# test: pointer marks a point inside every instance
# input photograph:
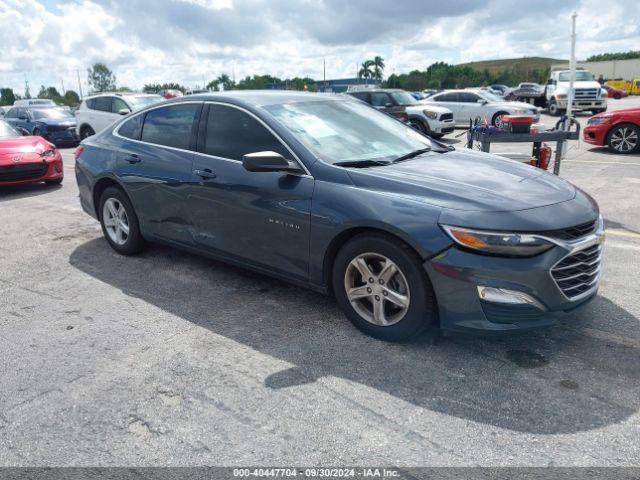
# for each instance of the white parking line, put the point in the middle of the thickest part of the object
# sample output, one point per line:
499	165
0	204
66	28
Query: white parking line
601	163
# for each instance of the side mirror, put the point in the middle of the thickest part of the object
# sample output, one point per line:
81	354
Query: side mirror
23	117
388	105
124	111
23	131
481	101
267	161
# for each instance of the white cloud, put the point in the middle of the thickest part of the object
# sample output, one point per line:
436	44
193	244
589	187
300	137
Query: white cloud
193	41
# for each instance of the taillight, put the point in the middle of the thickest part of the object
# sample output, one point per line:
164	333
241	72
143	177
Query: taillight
78	152
403	117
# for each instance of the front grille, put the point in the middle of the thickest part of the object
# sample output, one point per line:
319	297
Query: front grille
586	93
571	233
498	313
27	171
59	128
446	116
578	272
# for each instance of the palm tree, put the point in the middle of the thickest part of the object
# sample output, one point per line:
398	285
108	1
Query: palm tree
378	67
365	69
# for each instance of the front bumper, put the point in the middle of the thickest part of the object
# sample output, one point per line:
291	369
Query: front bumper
595	134
66	137
599	104
17	175
456	275
441	126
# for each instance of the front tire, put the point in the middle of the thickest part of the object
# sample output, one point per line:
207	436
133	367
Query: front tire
419	126
119	222
617	96
381	287
554	110
624	138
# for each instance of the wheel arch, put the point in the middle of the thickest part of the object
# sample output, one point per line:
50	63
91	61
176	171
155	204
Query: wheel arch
346	235
100	186
420	119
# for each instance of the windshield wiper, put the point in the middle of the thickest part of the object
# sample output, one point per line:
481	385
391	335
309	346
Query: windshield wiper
413	154
361	163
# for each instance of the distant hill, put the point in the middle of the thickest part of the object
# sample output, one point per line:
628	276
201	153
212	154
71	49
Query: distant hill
519	64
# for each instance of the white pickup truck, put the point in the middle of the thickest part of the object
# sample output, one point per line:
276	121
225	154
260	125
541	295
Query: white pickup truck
588	93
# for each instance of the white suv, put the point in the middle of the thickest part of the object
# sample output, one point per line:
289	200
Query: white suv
97	112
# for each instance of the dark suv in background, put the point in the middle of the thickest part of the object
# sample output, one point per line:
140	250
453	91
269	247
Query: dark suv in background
389	100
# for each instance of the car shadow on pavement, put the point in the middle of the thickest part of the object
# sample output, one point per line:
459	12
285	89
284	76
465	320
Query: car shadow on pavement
582	375
15	192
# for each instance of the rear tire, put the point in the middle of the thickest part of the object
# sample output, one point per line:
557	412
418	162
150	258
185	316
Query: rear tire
396	302
624	139
119	222
617	96
86	132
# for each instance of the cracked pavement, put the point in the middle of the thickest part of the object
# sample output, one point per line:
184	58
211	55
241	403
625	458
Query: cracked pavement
171	359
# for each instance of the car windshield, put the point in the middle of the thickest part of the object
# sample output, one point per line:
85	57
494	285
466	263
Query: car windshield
348	131
7	131
53	113
491	97
403	98
144	100
581	76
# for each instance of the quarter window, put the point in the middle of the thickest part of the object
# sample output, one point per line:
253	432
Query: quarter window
170	126
467	97
232	133
131	128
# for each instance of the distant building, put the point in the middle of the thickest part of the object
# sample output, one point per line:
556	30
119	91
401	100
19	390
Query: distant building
609	69
333	86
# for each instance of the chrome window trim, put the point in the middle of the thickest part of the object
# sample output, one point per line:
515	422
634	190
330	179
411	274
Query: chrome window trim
116	129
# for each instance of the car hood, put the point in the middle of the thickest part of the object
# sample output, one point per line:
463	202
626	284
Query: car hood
467	180
526	106
427	106
22	149
59	122
622	111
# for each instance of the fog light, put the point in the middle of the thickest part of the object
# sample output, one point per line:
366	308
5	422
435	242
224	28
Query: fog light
510	297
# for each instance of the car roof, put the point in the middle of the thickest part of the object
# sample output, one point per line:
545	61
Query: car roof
120	94
260	97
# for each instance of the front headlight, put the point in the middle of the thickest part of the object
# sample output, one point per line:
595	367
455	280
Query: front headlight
597	120
603	93
430	114
48	154
498	243
561	96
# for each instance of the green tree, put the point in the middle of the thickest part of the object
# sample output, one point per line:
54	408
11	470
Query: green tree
71	98
631	54
223	81
7	96
378	67
366	69
101	78
49	92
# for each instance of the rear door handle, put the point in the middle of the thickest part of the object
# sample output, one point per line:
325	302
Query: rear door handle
206	173
133	158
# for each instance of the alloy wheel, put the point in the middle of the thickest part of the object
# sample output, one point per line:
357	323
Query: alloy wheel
116	222
377	289
624	139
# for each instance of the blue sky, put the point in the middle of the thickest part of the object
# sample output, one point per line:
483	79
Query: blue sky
194	41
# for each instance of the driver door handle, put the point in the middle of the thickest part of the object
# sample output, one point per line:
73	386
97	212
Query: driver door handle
133	158
206	173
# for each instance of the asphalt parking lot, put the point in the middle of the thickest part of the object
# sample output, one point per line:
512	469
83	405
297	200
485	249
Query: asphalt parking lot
171	359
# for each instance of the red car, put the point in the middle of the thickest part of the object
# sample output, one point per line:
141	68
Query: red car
618	129
27	159
616	93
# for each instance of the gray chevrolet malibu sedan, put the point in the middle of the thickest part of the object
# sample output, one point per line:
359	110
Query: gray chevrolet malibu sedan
326	192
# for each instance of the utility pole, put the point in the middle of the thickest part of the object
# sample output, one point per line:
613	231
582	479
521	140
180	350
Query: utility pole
324	74
62	85
570	96
79	84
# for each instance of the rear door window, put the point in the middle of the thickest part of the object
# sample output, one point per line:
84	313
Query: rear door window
131	128
379	99
102	103
170	126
